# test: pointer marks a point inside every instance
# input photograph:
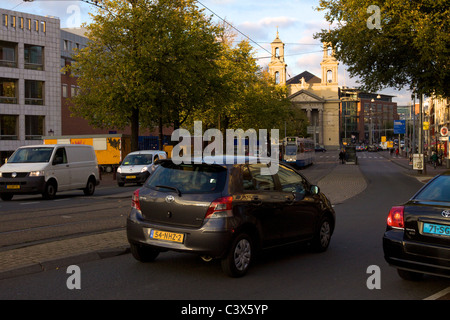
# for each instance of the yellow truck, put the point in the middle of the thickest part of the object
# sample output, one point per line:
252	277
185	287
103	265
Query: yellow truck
110	149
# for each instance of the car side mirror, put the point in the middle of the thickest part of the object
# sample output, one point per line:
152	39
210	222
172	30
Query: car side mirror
314	189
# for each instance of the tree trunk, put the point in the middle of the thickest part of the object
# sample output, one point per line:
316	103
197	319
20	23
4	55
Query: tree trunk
134	130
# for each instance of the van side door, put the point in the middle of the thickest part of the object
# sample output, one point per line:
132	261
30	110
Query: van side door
60	169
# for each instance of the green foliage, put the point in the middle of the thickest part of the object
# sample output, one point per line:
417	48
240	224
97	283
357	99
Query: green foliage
412	48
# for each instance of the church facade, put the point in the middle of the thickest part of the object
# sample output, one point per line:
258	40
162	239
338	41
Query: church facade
317	97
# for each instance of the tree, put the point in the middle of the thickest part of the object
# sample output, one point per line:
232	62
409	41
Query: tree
404	44
146	63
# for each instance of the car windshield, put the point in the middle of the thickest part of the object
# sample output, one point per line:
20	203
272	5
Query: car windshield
437	190
188	178
29	155
137	159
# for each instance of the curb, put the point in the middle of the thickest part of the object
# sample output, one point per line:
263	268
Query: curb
61	262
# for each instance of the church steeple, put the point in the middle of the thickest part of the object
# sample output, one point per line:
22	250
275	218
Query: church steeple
329	66
277	65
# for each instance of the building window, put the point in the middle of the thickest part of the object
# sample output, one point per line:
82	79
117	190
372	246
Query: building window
8	127
43	26
8	90
34	57
21	23
8	56
34	127
73	91
29	24
64	90
13	21
5	20
34	92
36	25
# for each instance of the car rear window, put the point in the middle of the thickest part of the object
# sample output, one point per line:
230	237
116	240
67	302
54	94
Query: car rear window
188	178
437	190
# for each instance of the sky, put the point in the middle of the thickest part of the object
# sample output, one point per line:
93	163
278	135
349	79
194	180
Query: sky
258	20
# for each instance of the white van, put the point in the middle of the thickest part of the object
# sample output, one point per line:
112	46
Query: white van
137	166
46	169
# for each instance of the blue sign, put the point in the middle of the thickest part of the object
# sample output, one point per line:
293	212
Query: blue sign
399	126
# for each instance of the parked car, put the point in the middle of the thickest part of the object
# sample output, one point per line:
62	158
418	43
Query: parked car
360	148
137	166
320	148
227	212
372	148
417	237
46	169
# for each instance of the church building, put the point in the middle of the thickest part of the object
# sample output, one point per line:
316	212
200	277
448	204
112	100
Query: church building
317	97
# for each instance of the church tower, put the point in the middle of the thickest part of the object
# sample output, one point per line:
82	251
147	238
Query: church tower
329	66
277	65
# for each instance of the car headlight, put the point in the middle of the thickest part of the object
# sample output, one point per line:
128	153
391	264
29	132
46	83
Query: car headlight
119	170
0	174
39	173
144	169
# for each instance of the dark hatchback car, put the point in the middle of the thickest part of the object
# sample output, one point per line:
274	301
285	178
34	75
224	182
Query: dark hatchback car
417	238
228	211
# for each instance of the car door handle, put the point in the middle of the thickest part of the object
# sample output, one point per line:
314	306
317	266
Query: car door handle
256	201
289	199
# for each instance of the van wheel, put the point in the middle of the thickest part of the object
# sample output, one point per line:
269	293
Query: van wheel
90	187
6	196
238	259
49	190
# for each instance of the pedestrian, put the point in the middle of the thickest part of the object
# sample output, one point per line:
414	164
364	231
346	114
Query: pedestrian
391	151
396	152
434	159
342	156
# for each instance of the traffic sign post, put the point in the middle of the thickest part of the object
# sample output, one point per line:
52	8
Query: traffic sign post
444	134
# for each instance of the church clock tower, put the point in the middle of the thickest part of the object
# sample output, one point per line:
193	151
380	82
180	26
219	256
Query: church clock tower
277	65
329	66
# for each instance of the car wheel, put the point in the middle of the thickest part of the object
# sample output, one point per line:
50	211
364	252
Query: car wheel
322	237
143	253
6	196
90	187
49	190
409	275
238	259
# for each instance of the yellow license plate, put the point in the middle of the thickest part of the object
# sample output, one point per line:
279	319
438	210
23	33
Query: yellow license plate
12	186
168	236
131	177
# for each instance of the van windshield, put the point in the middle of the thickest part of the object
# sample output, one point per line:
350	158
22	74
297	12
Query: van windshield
137	159
29	155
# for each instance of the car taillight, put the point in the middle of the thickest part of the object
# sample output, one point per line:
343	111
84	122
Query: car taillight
395	217
219	208
135	201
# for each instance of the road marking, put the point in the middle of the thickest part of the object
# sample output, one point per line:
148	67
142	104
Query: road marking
27	203
438	295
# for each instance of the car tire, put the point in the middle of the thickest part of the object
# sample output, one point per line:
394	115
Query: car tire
322	237
143	253
90	187
49	190
6	196
239	257
409	275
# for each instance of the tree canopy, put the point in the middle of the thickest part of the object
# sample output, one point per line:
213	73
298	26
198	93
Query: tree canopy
404	44
150	63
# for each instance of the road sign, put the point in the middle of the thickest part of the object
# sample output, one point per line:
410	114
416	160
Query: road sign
399	126
444	131
426	125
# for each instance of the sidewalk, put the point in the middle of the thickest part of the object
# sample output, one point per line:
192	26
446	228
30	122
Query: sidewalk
427	174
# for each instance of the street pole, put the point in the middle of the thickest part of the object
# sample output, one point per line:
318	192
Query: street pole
421	150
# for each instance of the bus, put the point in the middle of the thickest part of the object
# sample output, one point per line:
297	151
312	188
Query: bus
298	151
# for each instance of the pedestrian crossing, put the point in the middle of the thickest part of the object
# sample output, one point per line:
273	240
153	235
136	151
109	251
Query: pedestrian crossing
362	155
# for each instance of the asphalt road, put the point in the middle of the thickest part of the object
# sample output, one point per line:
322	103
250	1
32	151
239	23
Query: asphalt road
291	273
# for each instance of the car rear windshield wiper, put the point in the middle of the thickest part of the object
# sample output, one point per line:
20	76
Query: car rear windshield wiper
172	188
